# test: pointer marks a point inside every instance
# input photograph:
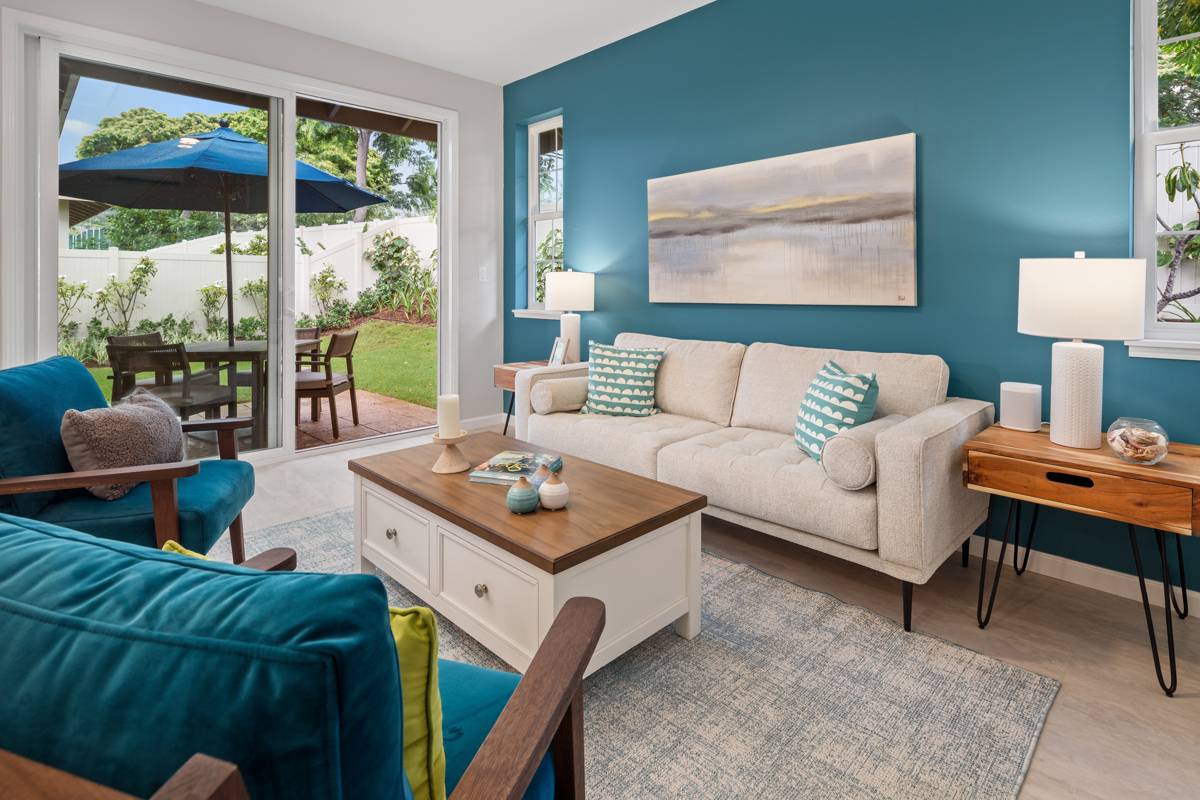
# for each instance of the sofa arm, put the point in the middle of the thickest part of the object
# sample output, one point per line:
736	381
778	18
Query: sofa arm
527	378
924	510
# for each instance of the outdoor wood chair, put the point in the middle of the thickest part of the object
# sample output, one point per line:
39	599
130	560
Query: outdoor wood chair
192	393
326	383
153	338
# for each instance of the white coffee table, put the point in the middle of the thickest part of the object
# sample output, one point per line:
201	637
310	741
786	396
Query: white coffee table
632	542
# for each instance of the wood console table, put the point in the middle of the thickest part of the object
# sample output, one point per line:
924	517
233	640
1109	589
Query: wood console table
1029	468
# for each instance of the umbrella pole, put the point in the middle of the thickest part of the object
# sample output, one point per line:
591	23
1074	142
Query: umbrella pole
228	264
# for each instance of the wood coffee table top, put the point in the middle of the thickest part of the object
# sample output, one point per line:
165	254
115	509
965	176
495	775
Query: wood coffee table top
608	507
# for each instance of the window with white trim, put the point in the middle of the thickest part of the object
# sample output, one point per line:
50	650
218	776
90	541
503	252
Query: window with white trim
545	234
1167	165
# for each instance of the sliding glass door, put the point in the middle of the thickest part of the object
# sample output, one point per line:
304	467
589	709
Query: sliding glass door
160	228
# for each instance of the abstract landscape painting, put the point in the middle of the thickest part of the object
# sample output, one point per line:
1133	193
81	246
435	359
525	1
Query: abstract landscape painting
827	227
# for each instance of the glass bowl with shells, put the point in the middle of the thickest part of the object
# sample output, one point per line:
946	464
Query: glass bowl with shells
1138	441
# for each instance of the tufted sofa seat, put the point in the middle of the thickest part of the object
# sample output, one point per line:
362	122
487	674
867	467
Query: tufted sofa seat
888	496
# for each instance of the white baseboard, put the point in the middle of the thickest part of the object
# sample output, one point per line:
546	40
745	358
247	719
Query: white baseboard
484	422
1106	580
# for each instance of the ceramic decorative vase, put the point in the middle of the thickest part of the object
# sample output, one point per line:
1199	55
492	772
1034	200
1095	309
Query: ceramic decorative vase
522	497
539	477
1138	441
554	493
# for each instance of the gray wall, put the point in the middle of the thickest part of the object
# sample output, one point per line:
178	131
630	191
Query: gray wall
206	29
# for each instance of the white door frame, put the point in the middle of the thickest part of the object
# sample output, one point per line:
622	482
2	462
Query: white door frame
28	320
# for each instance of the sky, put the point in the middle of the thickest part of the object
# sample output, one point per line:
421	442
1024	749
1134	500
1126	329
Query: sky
95	99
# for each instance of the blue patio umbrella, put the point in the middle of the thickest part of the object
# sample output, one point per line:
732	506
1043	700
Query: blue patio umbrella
220	170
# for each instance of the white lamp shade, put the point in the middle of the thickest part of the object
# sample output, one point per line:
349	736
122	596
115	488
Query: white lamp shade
1082	298
567	290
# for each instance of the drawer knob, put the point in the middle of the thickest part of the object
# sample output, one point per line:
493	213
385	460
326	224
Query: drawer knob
480	589
390	533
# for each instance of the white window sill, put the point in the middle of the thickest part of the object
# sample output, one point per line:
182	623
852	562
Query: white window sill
1178	350
535	313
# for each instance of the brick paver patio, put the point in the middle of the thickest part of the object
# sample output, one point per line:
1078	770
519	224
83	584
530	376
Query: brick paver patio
377	414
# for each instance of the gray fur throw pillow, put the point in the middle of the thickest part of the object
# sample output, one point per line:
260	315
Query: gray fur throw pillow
142	430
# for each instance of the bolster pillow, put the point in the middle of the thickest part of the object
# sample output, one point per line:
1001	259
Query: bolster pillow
849	457
558	394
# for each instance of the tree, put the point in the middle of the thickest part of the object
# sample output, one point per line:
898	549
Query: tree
401	169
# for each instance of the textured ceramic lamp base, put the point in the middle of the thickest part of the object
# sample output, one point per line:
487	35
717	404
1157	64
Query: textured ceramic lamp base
1076	392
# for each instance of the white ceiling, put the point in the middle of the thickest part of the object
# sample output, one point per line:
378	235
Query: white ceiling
498	41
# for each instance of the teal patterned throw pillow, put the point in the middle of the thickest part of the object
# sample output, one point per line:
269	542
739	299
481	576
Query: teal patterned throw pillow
621	380
836	400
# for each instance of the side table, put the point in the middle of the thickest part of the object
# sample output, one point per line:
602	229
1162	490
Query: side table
1028	468
504	376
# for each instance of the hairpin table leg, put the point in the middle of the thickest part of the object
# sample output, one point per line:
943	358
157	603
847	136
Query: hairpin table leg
1168	601
1020	566
1181	610
982	617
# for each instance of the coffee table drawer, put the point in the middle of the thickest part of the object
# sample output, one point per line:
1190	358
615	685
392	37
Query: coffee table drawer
1164	506
401	535
499	597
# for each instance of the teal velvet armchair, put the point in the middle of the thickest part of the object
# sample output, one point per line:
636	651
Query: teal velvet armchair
193	503
292	677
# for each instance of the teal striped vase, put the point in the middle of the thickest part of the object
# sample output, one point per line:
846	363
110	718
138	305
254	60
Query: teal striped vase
522	497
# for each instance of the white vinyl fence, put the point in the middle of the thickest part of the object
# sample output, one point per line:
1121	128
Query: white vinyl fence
184	267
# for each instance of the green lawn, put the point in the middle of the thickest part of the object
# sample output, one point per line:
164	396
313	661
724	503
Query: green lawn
395	359
390	358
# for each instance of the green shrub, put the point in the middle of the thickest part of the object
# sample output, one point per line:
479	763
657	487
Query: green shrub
327	288
69	297
212	303
119	300
171	329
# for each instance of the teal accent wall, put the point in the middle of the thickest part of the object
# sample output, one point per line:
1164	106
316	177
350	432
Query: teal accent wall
1022	112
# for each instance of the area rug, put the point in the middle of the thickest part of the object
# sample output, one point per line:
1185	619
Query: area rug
785	693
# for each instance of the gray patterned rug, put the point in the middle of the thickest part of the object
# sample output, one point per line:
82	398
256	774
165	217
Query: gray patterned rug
786	693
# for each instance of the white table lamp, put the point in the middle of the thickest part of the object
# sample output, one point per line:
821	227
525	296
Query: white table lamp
1080	298
570	291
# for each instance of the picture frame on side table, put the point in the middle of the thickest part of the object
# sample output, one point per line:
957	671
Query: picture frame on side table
558	352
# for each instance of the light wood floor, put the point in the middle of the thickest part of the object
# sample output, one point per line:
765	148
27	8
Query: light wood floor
1111	732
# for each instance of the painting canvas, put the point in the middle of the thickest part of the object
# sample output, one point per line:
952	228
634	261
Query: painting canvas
827	227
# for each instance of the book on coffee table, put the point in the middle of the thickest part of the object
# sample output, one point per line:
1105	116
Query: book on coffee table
506	467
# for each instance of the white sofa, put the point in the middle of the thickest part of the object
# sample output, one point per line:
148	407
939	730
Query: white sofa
887	495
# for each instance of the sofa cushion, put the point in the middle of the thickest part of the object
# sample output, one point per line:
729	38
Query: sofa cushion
835	401
774	377
472	699
696	378
628	443
763	474
208	502
132	659
33	399
621	380
849	458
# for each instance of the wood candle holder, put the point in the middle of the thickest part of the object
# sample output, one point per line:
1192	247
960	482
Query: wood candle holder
451	460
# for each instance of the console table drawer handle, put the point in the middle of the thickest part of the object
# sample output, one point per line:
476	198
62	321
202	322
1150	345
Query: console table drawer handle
480	589
1071	480
390	533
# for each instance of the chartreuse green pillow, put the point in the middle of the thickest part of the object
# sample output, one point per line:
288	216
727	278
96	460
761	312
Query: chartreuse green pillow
415	631
621	380
835	401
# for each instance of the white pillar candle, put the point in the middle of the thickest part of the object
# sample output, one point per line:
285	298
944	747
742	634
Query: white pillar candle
447	416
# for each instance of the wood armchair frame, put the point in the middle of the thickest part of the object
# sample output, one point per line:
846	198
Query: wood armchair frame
164	493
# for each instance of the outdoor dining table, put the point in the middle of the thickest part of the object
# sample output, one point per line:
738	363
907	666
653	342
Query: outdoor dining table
254	352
